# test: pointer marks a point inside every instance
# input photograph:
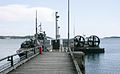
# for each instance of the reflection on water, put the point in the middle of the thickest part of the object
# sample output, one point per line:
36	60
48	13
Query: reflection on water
93	57
92	62
107	63
102	64
9	46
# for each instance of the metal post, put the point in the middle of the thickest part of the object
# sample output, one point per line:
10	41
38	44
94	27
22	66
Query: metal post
10	58
34	50
44	44
26	54
11	61
68	23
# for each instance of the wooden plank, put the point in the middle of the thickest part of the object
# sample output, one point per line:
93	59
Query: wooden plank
48	63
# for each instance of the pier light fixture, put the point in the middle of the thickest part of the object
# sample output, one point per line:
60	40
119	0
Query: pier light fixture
56	19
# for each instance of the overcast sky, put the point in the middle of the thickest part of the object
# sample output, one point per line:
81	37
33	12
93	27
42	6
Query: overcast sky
88	17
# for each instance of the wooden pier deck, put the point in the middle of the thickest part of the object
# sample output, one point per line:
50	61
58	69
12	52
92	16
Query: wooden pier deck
48	63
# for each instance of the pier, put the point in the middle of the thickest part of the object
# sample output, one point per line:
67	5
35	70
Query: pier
56	62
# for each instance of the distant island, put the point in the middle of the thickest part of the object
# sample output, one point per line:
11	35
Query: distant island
19	37
15	37
111	37
28	37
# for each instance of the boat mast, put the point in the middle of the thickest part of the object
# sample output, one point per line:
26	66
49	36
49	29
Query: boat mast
36	35
36	24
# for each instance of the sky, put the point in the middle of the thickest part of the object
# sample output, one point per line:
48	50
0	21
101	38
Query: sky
87	17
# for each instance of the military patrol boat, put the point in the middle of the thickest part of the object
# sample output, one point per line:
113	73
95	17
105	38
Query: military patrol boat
34	41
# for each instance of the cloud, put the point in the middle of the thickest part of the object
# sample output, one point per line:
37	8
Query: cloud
25	13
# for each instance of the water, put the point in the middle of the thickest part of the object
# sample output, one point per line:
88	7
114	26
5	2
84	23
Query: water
9	46
107	63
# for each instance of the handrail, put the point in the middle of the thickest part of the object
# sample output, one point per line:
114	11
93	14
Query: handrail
75	62
11	63
17	54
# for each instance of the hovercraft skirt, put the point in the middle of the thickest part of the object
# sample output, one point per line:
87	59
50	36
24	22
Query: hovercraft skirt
90	50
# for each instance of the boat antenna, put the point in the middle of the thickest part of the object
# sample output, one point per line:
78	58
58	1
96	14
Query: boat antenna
40	27
74	28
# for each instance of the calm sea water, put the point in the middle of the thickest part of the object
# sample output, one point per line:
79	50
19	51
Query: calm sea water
9	46
107	63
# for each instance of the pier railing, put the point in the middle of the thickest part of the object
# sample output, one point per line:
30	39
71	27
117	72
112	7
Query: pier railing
11	62
77	66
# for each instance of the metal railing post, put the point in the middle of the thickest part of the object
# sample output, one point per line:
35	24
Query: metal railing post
26	54
11	61
34	51
10	58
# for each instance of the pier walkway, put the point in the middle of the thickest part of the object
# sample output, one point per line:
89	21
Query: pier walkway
48	63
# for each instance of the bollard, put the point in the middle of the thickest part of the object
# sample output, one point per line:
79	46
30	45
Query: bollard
41	50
